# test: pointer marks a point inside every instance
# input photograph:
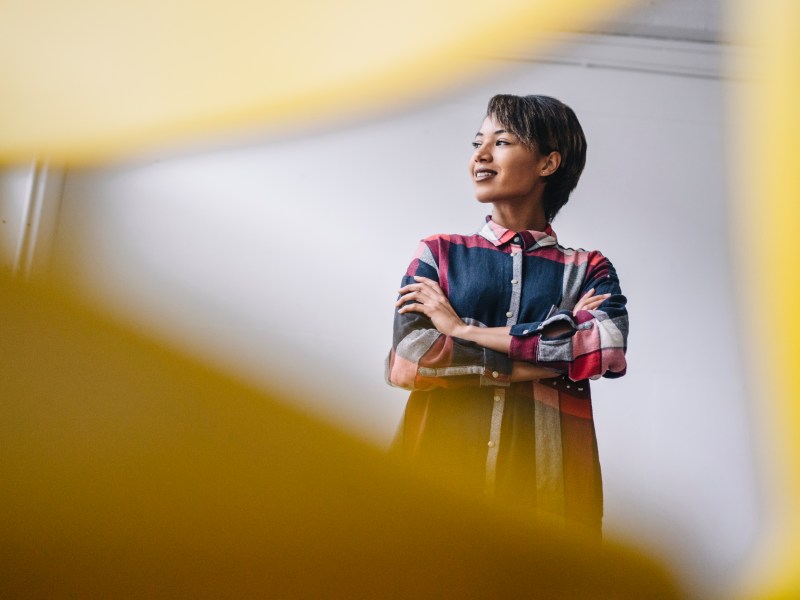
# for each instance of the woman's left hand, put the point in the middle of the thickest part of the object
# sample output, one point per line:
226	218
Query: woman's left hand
589	301
432	302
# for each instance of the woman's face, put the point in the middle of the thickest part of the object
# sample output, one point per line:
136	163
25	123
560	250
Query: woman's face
502	167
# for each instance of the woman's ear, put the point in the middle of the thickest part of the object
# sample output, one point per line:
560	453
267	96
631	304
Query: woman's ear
551	163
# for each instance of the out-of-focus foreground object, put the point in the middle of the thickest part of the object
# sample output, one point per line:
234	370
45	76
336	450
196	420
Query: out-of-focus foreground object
131	472
767	127
89	80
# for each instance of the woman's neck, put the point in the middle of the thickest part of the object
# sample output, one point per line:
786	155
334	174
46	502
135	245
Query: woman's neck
519	217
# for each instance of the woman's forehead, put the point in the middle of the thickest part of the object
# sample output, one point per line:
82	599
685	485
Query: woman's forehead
491	126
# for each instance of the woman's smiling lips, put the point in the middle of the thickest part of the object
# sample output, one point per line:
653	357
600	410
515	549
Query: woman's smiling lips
483	174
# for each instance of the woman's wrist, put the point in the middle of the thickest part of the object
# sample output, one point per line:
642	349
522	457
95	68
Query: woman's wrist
464	332
494	338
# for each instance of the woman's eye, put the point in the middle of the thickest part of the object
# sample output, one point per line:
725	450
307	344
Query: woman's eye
476	144
502	142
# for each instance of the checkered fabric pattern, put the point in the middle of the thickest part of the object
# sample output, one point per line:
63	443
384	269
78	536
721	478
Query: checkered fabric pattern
525	280
529	443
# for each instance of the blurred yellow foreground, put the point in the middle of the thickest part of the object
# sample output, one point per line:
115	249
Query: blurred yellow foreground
130	472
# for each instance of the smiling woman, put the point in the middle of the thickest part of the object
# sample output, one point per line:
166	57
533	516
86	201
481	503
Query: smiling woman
504	169
498	333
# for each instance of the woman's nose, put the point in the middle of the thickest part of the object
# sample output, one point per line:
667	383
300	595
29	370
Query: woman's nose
481	154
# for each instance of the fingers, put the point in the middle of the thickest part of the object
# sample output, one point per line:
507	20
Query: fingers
424	304
590	302
412	287
412	307
405	298
422	279
593	304
425	296
412	292
598	300
414	300
430	283
583	301
422	282
409	294
425	288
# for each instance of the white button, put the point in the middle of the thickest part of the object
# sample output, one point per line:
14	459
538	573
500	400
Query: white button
526	332
580	389
567	386
509	314
495	374
497	398
491	444
514	282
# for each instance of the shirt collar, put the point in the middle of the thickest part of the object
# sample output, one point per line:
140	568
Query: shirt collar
529	239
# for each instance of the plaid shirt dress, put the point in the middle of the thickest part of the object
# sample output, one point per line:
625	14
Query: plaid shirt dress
531	444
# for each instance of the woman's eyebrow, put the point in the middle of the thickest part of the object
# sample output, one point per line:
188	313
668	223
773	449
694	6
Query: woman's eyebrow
499	131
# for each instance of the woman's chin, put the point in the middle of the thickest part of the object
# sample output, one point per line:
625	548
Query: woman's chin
484	198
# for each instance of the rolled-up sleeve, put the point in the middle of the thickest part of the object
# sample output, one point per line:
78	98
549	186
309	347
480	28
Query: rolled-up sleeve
596	341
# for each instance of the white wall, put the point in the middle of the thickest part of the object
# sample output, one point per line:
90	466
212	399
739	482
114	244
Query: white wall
280	261
15	192
30	195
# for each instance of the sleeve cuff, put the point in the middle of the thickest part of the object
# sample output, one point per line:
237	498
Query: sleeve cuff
524	348
497	368
523	329
525	337
536	327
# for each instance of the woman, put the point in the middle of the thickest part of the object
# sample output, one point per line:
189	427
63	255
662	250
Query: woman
499	332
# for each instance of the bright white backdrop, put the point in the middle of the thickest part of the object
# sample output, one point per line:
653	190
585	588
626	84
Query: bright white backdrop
279	260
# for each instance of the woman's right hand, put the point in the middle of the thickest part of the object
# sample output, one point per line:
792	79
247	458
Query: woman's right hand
426	297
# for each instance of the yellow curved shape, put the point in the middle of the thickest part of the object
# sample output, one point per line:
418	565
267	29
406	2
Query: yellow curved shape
768	217
87	80
129	471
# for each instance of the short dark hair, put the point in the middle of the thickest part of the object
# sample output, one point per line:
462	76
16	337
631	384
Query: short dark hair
545	124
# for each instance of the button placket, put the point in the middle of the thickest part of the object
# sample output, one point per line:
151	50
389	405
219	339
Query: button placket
493	445
512	314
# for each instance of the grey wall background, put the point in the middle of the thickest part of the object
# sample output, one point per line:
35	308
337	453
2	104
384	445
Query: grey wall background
278	259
